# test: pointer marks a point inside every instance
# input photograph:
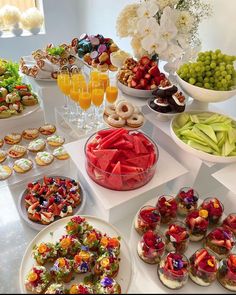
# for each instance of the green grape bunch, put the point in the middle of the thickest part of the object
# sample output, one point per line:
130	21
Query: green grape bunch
212	70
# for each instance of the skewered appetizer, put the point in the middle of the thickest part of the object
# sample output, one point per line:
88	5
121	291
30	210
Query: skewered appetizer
107	264
230	222
83	260
44	252
77	226
111	245
37	279
167	207
215	209
177	237
107	285
67	246
203	267
220	241
56	289
151	247
148	219
187	200
62	270
81	288
197	224
227	272
173	270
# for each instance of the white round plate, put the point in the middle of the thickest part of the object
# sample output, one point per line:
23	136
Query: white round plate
135	92
148	272
200	154
38	226
53	232
125	126
27	111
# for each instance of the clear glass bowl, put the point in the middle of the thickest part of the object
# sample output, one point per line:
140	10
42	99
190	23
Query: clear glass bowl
121	182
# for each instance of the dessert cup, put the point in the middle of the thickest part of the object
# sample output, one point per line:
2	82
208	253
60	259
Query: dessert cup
203	268
226	274
187	199
148	219
167	206
215	209
177	237
173	270
197	224
151	247
230	222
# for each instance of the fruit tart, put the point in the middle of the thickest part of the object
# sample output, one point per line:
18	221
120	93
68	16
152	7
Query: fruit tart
3	156
197	224
30	133
187	199
167	207
148	219
203	267
151	247
77	226
107	285
215	209
107	264
81	288
62	270
83	260
68	246
37	279
220	242
47	129
226	274
173	270
91	239
17	151
44	252
23	165
55	140
108	244
177	237
230	222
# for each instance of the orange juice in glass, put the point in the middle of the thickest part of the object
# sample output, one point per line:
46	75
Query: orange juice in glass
65	84
94	75
85	100
111	94
97	96
104	80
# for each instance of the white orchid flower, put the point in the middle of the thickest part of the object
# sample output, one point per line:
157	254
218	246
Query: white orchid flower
148	8
146	26
168	29
153	43
184	21
172	52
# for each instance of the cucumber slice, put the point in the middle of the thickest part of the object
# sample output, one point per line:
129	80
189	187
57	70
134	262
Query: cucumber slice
220	127
182	119
200	147
194	119
189	134
227	148
232	135
208	130
207	139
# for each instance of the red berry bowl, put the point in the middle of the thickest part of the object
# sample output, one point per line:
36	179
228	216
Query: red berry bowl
121	160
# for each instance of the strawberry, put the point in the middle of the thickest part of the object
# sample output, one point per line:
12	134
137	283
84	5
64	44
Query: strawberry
218	242
145	60
37	216
228	244
147	76
144	83
157	80
135	69
148	87
200	256
154	71
139	74
48	214
133	83
139	86
153	63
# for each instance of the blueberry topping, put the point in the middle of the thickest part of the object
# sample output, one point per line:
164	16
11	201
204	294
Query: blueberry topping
41	200
38	209
64	209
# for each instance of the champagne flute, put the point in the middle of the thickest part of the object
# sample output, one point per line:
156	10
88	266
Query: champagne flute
111	93
103	78
63	82
85	104
97	96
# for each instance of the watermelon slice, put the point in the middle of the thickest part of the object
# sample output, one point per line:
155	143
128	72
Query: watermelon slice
152	159
141	162
105	132
139	146
126	169
112	134
115	178
129	138
91	157
105	157
123	144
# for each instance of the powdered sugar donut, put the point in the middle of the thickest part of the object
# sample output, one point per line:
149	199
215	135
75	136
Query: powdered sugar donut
124	109
110	110
115	121
135	121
